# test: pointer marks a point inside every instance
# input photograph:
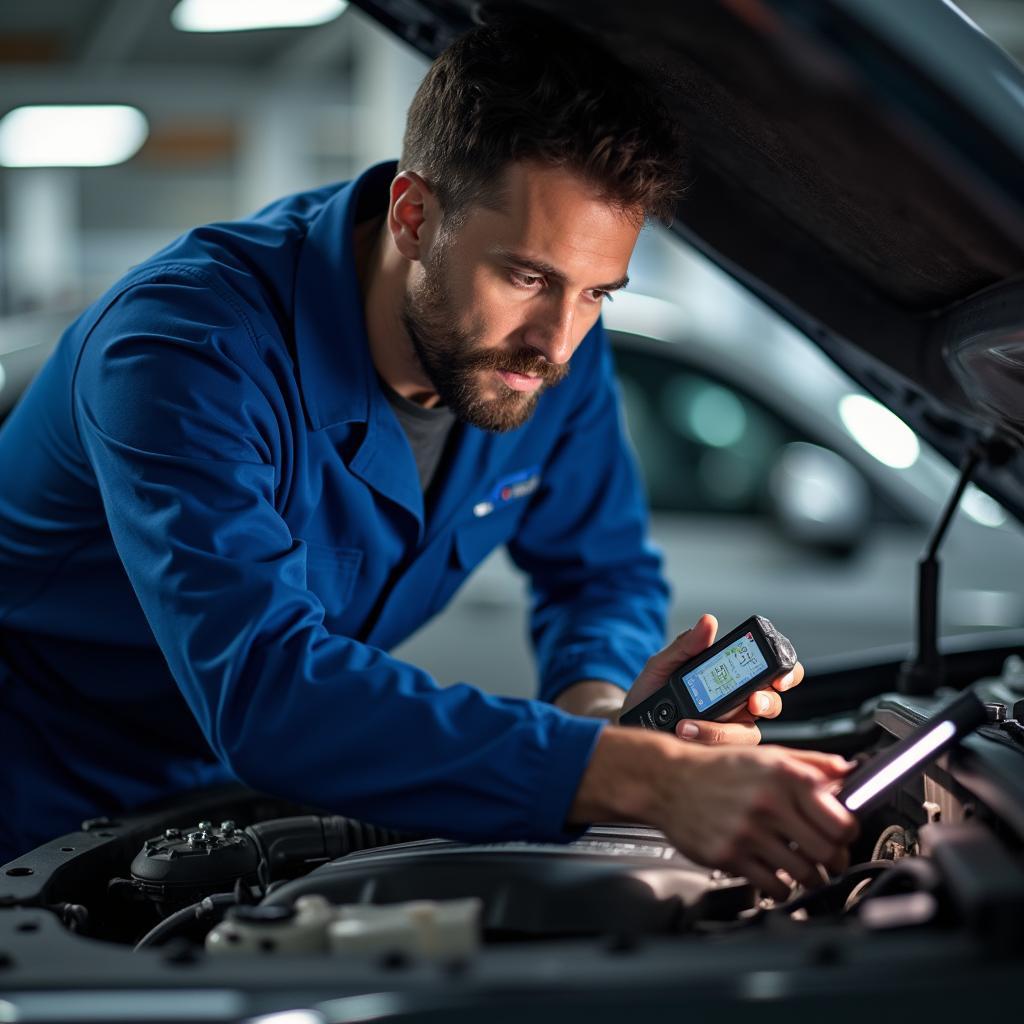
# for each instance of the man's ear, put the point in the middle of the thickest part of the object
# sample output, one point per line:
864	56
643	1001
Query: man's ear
412	215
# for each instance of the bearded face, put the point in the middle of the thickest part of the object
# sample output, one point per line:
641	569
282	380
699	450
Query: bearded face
468	377
499	295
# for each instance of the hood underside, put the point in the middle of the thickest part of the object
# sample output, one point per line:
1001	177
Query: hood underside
857	164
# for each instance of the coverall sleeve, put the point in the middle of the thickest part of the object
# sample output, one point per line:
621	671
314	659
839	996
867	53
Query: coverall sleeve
599	599
178	415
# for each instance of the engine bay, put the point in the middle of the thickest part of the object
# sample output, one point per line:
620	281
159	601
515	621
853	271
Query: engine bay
270	906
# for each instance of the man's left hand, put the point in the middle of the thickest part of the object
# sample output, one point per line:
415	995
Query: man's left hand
740	725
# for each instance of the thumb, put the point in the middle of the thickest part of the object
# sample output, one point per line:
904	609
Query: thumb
685	646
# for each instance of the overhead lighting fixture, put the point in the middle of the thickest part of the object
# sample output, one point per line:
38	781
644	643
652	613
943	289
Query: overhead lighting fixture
249	15
878	431
71	136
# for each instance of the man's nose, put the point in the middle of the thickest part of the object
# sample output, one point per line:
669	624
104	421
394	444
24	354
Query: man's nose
551	332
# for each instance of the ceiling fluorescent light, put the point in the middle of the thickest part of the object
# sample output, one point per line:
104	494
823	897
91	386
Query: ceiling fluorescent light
71	136
246	15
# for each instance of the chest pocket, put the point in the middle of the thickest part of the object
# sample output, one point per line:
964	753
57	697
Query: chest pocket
470	543
475	540
331	574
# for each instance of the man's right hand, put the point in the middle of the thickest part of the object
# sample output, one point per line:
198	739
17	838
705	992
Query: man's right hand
751	811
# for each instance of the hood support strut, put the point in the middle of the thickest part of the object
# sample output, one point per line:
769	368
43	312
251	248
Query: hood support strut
925	673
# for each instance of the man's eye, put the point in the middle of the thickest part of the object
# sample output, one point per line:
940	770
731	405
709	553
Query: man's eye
598	295
524	280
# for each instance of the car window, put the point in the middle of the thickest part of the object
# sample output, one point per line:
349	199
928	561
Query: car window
704	445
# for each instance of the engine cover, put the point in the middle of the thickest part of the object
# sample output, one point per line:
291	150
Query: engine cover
614	879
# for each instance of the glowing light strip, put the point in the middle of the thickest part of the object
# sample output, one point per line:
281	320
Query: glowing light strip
928	743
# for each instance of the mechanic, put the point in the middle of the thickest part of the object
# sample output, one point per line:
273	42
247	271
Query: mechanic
273	450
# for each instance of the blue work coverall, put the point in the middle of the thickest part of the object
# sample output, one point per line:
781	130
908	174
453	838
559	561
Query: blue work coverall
212	531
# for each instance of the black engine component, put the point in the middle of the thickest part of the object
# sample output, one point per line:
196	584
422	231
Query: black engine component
291	846
985	882
618	879
181	867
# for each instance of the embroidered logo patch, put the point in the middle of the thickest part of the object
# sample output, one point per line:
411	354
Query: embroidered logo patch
510	488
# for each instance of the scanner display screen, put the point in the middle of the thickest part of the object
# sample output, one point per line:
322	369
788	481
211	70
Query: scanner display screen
728	670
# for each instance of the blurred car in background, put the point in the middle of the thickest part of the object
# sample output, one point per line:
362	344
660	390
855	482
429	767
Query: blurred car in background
777	487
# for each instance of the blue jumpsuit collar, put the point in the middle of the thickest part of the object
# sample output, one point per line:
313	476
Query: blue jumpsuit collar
336	372
331	343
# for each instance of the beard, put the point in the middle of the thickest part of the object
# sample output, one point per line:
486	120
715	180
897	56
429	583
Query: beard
459	369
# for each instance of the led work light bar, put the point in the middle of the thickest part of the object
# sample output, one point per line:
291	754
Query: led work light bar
869	784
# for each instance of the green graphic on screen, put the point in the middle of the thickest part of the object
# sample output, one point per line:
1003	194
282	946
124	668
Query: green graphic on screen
725	672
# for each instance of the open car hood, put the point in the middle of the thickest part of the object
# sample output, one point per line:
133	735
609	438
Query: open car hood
859	165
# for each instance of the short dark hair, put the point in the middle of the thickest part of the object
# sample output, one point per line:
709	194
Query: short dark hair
527	88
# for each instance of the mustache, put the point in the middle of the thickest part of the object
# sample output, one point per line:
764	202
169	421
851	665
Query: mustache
519	362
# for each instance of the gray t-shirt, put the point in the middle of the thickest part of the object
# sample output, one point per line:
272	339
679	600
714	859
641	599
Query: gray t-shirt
427	430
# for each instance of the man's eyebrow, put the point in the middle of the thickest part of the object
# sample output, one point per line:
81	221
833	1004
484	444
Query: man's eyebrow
547	270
